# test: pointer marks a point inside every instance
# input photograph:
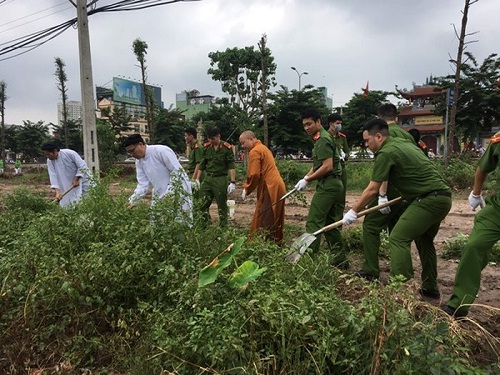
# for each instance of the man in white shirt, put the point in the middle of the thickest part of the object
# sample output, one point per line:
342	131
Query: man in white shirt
158	165
67	170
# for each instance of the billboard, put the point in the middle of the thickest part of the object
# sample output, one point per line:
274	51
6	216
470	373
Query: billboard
131	92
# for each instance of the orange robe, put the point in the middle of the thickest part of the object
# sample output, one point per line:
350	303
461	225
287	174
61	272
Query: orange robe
263	175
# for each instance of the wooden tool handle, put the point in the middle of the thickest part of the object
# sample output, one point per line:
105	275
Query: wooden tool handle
361	213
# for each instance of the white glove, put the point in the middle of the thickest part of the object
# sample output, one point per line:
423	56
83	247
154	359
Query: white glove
301	185
231	187
342	155
244	195
381	200
476	200
195	185
350	217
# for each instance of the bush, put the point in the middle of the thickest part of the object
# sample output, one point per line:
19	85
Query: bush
454	247
97	286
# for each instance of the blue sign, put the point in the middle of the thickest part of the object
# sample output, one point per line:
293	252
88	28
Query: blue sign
451	96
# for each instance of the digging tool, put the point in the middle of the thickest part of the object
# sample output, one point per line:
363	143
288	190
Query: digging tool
65	192
279	200
301	244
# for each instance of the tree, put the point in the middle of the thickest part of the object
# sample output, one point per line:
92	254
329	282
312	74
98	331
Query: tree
479	102
170	129
61	86
230	120
245	75
30	137
140	50
458	67
73	136
285	123
3	98
118	119
360	109
109	148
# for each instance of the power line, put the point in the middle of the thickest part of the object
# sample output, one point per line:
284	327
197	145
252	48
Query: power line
26	23
36	39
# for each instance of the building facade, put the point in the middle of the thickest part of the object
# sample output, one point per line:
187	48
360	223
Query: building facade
192	103
129	96
73	109
418	113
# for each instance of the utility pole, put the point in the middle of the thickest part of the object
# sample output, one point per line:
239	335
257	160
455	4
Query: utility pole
90	152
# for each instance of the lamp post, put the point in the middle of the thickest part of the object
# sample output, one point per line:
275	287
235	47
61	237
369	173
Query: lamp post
298	74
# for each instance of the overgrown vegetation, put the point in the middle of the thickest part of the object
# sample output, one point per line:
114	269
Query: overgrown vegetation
97	286
455	246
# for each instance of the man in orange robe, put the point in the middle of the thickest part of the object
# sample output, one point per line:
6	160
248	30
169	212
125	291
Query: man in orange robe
263	175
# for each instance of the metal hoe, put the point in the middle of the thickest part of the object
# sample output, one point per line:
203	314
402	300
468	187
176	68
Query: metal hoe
279	200
300	245
65	192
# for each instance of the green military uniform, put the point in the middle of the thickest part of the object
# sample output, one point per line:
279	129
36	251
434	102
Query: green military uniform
411	173
485	233
375	222
327	203
341	143
216	162
195	156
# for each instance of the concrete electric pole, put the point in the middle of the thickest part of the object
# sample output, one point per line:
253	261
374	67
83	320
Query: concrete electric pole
87	84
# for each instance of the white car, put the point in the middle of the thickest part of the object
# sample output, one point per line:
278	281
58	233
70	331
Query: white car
130	160
361	155
183	159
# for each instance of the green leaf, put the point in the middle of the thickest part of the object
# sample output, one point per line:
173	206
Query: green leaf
209	274
244	274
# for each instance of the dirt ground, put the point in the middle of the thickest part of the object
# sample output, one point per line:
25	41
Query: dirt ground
459	220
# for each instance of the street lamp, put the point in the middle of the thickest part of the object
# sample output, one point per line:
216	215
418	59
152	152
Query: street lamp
299	74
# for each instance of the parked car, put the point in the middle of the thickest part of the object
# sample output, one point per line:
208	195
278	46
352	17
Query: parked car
183	159
366	154
130	160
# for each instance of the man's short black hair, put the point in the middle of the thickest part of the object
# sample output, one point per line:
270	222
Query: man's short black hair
311	113
334	117
213	132
387	111
375	126
133	140
191	131
50	146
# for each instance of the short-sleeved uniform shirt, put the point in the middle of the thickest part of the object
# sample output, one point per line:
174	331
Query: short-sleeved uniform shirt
217	161
407	169
324	148
489	161
195	156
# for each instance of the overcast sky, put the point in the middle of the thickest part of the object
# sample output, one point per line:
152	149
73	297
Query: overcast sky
342	44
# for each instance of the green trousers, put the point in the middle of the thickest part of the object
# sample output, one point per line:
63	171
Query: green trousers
373	224
420	223
343	177
485	233
326	208
213	187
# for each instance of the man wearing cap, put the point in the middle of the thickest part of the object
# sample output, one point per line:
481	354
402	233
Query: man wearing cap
218	159
327	203
66	170
485	233
263	175
157	165
416	178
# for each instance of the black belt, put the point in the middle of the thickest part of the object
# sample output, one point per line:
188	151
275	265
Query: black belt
435	193
216	174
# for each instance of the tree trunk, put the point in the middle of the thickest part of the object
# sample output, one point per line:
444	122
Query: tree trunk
456	93
262	47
